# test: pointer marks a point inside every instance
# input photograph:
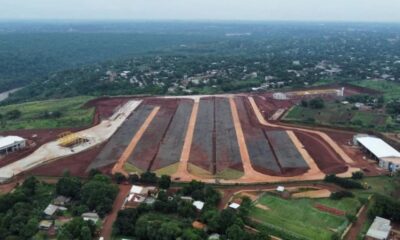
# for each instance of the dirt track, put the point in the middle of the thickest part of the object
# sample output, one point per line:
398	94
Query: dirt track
119	165
323	135
249	172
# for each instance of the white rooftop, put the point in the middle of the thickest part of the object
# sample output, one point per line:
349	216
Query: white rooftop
198	204
234	205
136	189
9	140
378	147
379	229
280	189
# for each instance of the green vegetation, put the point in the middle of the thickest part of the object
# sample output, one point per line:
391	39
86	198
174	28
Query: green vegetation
390	90
341	115
21	210
61	113
301	218
171	217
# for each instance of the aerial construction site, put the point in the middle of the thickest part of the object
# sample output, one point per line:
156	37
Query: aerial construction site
235	138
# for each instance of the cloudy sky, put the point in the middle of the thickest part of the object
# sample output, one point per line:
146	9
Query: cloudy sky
303	10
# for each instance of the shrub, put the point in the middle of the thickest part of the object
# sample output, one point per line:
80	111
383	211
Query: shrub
357	175
341	194
343	182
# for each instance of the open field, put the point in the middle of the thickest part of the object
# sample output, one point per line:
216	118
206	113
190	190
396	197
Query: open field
225	138
300	217
61	113
390	90
339	115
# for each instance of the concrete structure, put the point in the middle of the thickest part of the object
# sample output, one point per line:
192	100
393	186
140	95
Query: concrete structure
11	144
387	157
234	205
199	205
279	96
91	216
379	230
45	225
52	150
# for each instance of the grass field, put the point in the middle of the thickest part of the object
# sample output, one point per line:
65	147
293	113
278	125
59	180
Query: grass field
39	115
340	115
390	90
299	217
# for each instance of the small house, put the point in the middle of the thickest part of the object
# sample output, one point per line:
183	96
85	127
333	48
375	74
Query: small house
61	200
91	216
199	205
45	225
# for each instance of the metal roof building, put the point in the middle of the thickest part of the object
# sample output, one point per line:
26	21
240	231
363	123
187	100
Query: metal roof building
380	229
388	157
11	143
378	147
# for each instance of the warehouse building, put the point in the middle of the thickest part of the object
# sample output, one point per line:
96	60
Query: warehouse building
11	144
387	157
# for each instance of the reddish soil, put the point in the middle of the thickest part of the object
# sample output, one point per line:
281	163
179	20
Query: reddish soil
330	210
110	219
325	157
36	138
149	144
327	160
75	164
358	225
105	106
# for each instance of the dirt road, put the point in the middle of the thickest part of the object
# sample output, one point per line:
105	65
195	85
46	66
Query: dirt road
323	135
109	220
182	171
119	165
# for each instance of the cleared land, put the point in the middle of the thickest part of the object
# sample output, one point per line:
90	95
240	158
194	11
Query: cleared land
286	152
119	166
202	148
148	145
260	152
61	113
53	151
121	139
226	143
172	144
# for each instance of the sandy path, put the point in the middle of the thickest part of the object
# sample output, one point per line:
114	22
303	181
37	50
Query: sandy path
182	171
249	172
119	165
310	161
321	193
324	136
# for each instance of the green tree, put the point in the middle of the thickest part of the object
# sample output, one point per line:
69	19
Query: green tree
69	186
164	182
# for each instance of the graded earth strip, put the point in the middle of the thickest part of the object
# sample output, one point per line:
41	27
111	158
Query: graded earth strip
324	136
119	165
249	172
310	161
182	171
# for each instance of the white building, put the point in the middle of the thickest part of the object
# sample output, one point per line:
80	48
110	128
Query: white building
387	157
380	229
11	144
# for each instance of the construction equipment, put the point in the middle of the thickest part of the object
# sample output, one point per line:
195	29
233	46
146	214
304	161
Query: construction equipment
69	139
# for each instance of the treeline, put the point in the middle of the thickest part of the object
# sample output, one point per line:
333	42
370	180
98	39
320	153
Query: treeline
171	217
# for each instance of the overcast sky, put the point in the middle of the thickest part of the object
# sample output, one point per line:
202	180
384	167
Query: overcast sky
303	10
